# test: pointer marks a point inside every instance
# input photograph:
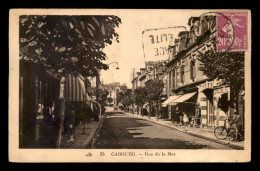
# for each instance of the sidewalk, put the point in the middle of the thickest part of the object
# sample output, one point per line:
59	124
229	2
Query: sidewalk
206	132
82	140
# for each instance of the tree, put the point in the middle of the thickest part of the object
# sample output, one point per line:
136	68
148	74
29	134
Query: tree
127	99
74	43
154	89
67	44
226	66
120	96
102	95
139	97
110	100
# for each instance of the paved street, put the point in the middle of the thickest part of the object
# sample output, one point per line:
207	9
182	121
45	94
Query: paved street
120	130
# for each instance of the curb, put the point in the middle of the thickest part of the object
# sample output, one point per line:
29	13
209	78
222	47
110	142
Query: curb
88	141
194	134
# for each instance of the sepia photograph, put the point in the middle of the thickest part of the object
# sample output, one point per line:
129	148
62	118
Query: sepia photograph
114	85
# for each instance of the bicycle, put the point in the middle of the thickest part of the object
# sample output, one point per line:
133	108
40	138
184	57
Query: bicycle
222	132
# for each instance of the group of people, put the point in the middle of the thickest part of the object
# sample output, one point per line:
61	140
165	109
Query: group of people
79	114
186	119
234	120
75	114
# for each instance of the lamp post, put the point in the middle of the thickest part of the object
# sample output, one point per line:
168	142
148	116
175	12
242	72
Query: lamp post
98	79
117	68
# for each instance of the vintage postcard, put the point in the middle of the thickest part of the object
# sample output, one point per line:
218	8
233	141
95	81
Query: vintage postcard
129	85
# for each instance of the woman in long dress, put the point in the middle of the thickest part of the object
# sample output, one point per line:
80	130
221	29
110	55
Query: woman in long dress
185	119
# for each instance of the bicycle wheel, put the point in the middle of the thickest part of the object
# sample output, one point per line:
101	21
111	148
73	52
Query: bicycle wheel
232	134
220	133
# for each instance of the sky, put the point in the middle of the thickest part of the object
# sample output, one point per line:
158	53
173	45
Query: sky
129	51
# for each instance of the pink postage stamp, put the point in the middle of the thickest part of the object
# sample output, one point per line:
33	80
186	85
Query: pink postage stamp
232	31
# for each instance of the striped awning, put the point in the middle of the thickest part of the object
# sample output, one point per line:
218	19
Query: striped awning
75	88
169	100
184	97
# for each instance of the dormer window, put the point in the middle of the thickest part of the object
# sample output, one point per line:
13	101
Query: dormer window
204	26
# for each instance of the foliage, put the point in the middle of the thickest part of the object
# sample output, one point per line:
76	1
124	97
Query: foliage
102	95
127	99
139	96
109	99
227	66
120	96
154	89
74	43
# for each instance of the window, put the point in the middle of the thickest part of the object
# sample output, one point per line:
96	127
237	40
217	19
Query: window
182	74
177	77
150	68
170	80
192	70
173	78
204	26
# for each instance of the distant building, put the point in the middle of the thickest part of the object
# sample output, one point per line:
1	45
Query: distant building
113	90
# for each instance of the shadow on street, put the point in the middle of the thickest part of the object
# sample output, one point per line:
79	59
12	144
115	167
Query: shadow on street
120	131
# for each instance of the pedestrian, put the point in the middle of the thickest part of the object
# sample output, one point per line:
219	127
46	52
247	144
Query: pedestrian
38	119
71	123
192	122
88	114
96	113
56	121
83	117
236	123
47	124
145	111
196	116
185	119
46	113
179	113
103	110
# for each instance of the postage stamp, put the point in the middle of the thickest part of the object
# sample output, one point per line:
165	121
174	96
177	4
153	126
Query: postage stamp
232	31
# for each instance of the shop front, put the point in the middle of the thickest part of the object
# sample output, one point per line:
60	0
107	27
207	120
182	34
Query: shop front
221	101
185	104
169	107
36	87
206	103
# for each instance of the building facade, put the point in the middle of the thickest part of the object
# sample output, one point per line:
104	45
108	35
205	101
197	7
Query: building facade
188	89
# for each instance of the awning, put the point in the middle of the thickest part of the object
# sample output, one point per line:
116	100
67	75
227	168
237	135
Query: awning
169	100
184	97
75	88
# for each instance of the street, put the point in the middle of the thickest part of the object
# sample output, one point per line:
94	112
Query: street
123	131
